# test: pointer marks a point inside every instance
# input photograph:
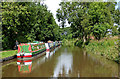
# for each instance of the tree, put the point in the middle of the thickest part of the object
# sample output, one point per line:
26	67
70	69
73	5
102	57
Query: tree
14	22
26	22
0	28
115	30
87	18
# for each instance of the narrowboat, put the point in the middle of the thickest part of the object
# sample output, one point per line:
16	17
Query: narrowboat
30	49
50	44
27	50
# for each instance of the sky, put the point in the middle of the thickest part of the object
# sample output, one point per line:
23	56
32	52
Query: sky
53	5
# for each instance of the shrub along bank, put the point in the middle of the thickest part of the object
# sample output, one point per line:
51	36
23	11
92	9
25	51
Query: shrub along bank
107	47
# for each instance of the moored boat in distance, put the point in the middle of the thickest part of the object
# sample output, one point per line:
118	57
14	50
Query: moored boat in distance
50	44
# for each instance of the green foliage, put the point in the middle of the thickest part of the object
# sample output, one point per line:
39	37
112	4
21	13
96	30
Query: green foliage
0	28
88	18
79	43
26	22
107	48
68	42
115	30
65	33
117	16
70	36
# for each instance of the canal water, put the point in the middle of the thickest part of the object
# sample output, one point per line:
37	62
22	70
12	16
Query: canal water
61	62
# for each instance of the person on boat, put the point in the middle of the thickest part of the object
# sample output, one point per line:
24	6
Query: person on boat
16	44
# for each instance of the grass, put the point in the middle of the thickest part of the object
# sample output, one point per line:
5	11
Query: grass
107	47
5	54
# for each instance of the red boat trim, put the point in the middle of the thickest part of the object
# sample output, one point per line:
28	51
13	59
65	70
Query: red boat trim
47	49
19	68
19	48
18	56
28	56
24	56
27	61
29	48
18	61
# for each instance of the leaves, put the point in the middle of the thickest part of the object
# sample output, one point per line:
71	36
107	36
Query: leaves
88	18
26	22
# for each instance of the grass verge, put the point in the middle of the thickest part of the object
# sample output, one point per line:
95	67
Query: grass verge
5	54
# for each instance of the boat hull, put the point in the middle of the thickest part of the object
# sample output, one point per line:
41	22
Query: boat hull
29	50
28	55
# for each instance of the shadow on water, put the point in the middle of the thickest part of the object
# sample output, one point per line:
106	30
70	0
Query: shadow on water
62	62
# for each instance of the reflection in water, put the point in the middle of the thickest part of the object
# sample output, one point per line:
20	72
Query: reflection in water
24	66
64	65
47	54
66	62
50	53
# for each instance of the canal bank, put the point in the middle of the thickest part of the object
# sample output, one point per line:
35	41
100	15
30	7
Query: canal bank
28	50
8	55
65	62
107	47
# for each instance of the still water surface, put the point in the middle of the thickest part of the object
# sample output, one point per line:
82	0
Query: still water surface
61	62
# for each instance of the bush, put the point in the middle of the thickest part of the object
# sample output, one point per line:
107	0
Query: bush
79	43
107	48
